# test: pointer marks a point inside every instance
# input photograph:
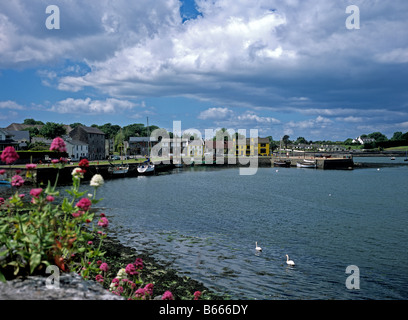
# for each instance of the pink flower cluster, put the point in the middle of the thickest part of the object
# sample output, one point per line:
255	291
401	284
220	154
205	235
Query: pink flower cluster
9	155
135	267
104	267
84	163
17	181
143	293
58	145
36	192
167	296
84	204
103	222
31	166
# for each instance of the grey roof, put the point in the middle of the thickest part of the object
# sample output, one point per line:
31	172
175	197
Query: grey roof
141	139
19	135
92	130
76	142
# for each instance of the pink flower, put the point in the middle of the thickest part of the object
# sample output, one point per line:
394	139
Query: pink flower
9	155
138	263
84	204
149	288
130	269
76	214
103	222
36	192
84	163
17	181
167	296
197	295
54	161
30	166
49	198
104	267
99	278
140	293
90	242
2	201
2	171
58	145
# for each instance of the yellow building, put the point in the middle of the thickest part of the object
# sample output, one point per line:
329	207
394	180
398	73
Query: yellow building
250	148
195	148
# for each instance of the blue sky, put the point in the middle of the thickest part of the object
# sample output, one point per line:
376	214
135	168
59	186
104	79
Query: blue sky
282	67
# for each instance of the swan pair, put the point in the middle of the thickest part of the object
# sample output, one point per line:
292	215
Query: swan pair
288	262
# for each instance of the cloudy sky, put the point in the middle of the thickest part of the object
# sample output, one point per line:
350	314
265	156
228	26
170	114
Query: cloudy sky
282	67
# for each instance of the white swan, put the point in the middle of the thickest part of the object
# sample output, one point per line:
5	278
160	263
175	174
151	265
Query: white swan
289	262
257	248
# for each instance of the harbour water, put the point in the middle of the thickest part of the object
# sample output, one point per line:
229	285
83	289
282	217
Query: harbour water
205	221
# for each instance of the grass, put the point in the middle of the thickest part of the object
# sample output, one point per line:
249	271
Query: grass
401	148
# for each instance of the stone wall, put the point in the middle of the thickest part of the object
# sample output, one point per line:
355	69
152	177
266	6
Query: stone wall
71	287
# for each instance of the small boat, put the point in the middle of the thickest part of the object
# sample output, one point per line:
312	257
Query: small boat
118	169
282	163
146	167
305	164
392	158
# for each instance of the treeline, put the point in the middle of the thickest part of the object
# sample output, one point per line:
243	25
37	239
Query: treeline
381	140
51	130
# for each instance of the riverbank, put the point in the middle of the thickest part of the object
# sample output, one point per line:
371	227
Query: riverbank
117	256
161	274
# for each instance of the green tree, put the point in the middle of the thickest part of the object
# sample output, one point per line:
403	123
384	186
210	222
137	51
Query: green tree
32	122
397	136
108	129
378	136
301	140
118	141
52	130
76	124
286	140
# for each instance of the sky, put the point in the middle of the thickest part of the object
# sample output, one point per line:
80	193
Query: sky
303	68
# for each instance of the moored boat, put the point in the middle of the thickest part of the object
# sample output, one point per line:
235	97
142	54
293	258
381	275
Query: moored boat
306	164
118	169
282	163
145	168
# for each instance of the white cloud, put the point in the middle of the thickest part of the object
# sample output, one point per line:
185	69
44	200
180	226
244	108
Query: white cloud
215	114
11	105
88	106
250	117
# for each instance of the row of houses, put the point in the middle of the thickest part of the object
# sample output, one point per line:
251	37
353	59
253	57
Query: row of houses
91	143
81	142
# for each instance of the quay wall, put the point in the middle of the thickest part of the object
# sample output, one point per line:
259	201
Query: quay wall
42	174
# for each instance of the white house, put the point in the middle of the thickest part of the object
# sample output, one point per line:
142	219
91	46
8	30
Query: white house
363	140
77	149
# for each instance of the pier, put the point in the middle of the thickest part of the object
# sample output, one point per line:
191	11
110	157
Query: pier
44	173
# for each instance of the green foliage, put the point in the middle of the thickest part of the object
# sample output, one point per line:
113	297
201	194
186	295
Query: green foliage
39	232
32	122
52	130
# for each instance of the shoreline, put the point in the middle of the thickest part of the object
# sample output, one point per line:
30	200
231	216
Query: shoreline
161	274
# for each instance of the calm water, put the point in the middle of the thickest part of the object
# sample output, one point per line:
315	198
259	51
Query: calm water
206	221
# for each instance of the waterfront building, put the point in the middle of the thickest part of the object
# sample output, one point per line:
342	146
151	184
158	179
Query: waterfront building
94	138
77	149
139	146
251	148
195	148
